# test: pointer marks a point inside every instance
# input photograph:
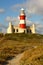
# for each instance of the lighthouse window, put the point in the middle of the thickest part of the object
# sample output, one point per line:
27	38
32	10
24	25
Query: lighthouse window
30	31
17	30
14	30
27	30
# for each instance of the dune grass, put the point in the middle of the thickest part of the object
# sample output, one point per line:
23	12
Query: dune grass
33	56
13	44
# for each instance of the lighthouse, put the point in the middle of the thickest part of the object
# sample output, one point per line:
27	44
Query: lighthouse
21	28
22	16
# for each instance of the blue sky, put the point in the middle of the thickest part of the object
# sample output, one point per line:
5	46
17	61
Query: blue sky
6	5
10	9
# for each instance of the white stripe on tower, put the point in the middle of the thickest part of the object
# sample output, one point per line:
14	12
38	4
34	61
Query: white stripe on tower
22	23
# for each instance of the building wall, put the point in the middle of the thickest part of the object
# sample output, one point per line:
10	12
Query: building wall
17	29
10	28
33	29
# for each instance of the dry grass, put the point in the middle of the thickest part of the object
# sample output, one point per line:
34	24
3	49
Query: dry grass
13	44
33	56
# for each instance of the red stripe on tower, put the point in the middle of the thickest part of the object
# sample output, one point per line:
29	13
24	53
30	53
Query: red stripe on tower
22	23
22	17
22	26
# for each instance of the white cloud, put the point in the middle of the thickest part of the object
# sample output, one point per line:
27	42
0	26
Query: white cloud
36	6
2	10
39	27
28	23
31	6
10	19
14	20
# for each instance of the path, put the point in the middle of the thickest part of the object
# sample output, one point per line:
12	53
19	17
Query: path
16	60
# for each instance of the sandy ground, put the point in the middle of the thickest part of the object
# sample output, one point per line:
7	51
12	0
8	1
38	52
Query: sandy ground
16	60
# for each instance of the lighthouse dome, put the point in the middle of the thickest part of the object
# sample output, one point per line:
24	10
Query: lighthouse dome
22	8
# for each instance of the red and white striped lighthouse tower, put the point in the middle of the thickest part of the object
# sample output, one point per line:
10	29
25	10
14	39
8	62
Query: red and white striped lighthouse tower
22	23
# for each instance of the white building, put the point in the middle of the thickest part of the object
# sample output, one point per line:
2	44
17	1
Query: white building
22	28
